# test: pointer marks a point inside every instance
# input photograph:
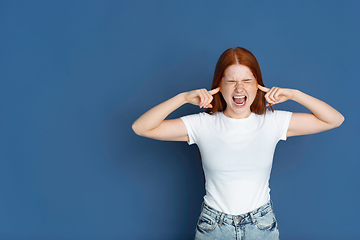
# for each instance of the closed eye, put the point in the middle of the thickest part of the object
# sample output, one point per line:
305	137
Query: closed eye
231	82
247	81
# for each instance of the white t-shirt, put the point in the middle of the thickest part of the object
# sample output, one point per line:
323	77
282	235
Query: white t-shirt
237	156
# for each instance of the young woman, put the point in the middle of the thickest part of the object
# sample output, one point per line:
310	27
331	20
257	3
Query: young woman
237	139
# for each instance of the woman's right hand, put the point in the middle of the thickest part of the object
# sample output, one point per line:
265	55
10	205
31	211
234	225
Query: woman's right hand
152	124
201	97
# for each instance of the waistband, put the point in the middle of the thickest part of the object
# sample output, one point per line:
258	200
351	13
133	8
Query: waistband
237	219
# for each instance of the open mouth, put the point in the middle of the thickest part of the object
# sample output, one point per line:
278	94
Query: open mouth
239	100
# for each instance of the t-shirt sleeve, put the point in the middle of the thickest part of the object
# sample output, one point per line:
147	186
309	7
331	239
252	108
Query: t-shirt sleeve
282	121
193	126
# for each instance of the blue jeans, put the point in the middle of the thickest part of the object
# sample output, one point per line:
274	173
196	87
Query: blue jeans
258	224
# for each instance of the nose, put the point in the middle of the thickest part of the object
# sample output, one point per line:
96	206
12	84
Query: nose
239	86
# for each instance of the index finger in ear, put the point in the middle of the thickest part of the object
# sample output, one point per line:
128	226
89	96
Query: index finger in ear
214	91
264	89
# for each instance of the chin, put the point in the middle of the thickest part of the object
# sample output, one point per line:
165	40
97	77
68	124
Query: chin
239	110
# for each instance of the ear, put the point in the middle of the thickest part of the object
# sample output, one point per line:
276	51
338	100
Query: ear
220	84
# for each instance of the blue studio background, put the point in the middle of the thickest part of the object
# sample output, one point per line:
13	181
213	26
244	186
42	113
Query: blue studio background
74	75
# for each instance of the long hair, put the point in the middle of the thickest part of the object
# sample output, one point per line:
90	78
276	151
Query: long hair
230	57
244	57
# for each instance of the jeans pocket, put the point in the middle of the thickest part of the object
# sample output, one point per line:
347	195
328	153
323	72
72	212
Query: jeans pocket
206	223
266	222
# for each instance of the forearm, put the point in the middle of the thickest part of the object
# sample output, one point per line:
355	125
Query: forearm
153	118
320	109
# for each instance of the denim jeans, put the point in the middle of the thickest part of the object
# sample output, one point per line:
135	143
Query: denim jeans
258	224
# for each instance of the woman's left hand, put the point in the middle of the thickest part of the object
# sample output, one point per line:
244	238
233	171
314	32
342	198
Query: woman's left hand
322	117
276	95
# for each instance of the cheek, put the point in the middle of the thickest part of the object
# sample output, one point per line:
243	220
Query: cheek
253	89
225	91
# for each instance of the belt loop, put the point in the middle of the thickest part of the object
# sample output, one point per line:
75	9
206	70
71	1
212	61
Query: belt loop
252	218
221	218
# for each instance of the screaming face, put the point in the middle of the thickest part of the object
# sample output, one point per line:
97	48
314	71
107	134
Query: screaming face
239	88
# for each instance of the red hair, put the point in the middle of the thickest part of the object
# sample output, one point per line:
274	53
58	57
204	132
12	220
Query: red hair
237	56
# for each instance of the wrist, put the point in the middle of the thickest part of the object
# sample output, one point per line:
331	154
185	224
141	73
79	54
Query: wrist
295	94
182	98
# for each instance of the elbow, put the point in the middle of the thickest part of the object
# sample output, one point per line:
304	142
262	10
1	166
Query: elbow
140	130
342	119
136	129
339	121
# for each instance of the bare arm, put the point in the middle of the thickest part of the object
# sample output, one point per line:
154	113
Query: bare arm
323	116
152	124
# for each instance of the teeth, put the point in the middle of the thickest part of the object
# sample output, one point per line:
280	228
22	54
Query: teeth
239	97
240	104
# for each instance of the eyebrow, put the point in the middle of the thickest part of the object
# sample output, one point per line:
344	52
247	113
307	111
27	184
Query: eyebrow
233	80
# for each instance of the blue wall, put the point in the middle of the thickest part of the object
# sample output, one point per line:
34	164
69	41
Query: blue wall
74	75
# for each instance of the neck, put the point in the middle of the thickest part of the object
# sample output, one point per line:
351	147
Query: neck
235	115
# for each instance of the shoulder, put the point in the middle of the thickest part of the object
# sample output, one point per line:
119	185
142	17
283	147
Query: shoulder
201	119
280	118
277	122
195	118
201	115
276	117
277	114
